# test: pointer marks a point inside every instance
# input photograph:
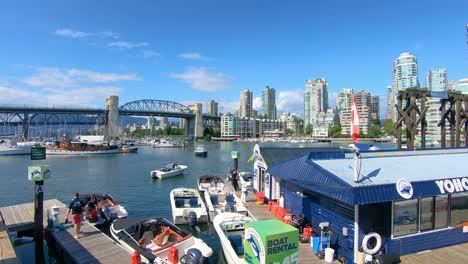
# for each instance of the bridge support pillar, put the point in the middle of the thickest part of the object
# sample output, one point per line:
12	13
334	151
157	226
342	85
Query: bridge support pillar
198	120
111	127
189	126
25	127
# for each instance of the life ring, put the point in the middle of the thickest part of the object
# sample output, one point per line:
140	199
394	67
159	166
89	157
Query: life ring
365	241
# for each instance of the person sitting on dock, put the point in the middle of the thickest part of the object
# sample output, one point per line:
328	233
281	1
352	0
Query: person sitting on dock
76	207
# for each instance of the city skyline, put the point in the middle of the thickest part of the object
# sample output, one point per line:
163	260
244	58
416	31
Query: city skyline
56	57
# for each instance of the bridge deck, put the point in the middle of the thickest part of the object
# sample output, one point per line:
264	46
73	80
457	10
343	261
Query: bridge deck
92	247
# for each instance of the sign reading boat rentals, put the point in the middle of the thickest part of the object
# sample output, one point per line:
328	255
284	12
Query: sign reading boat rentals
453	185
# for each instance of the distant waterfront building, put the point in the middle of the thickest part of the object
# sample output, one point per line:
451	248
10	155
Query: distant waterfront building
363	104
289	120
343	104
323	122
315	99
390	102
405	75
269	103
375	107
462	86
212	108
243	127
246	104
436	81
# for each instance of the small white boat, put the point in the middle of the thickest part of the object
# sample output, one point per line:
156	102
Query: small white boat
222	200
207	181
230	229
163	143
129	149
187	207
168	171
154	238
201	151
10	147
246	178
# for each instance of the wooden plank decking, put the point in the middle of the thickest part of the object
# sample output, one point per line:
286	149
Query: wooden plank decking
93	246
457	254
8	254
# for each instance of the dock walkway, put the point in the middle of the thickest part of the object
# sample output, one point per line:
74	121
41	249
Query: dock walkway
8	254
92	247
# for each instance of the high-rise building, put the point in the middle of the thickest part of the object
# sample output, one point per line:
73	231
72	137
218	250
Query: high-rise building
436	80
405	75
462	86
343	104
246	104
315	99
375	105
390	102
212	108
363	104
269	103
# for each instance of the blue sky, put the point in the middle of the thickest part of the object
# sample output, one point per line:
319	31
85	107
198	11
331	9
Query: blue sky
78	53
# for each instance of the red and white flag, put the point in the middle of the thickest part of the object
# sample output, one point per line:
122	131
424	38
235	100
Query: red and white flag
354	121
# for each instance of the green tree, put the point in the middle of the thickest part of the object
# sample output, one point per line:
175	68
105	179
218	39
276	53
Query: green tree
375	131
167	130
289	132
299	126
335	131
217	133
309	129
389	127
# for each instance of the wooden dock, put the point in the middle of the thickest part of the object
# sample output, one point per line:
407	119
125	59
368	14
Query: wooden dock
448	255
93	246
8	254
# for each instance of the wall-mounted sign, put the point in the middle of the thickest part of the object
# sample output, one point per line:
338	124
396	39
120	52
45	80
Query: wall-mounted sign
404	188
453	185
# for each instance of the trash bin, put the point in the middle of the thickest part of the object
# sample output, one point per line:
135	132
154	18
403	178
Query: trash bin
329	254
315	243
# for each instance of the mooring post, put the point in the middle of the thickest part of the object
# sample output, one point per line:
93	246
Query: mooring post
38	225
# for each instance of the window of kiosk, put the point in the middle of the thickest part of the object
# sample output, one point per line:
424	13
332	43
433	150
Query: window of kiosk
405	217
458	208
426	213
441	212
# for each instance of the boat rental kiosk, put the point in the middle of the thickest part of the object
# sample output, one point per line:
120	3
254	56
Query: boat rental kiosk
401	201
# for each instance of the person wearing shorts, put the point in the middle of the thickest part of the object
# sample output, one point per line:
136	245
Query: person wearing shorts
76	208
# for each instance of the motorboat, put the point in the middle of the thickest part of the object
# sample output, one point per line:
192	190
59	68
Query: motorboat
201	151
79	148
246	178
154	238
223	200
164	143
230	228
187	207
129	149
207	181
107	208
169	170
10	147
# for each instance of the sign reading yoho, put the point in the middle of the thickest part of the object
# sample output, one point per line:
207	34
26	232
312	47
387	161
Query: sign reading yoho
453	185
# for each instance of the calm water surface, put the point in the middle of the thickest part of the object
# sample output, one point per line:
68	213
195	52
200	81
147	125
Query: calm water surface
126	177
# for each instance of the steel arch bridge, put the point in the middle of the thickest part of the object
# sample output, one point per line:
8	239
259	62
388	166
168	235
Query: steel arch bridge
150	107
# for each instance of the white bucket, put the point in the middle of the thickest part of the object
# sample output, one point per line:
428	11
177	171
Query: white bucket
329	253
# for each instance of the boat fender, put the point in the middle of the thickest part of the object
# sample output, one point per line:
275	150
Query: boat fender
378	244
135	258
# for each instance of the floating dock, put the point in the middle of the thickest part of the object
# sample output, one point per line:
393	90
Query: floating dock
93	246
8	255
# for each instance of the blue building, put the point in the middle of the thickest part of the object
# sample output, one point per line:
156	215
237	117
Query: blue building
409	200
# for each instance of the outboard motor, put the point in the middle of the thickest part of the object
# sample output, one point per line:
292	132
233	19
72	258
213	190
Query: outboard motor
193	256
106	213
230	208
192	219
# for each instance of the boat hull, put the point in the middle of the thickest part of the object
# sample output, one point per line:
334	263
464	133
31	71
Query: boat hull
65	152
162	175
180	213
201	154
16	150
229	253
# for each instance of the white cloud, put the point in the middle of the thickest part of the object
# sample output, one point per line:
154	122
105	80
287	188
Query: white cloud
55	77
70	33
227	106
82	96
203	79
193	56
128	45
75	34
291	101
150	54
257	103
